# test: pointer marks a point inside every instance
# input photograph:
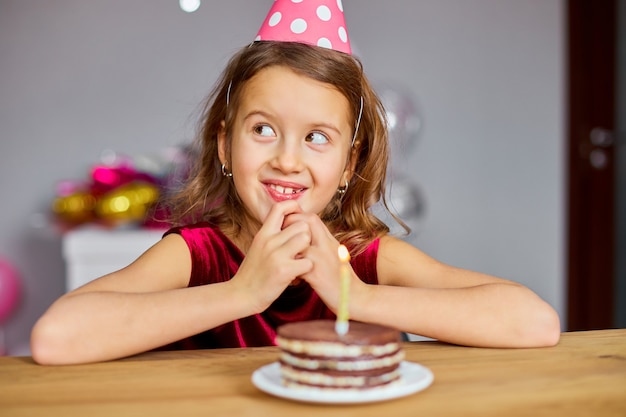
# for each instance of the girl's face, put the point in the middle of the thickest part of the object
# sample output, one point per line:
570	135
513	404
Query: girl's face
290	141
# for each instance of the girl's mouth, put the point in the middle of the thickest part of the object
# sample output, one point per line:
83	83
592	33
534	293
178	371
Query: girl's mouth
281	192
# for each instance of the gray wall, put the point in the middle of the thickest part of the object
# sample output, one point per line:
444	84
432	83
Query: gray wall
78	77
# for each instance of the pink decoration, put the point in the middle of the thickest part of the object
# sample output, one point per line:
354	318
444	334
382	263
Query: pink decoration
9	290
314	22
137	184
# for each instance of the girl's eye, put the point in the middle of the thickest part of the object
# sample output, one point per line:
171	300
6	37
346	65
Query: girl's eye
317	138
264	130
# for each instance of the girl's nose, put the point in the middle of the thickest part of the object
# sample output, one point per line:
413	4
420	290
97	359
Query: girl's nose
288	156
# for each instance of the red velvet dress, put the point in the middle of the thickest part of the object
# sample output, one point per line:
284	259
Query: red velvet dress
215	258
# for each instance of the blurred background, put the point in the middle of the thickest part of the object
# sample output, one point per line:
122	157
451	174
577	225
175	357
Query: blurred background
478	88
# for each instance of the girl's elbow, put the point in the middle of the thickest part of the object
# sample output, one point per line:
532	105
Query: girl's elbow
46	341
546	330
553	333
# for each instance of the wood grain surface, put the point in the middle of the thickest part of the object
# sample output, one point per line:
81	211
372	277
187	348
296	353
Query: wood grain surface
584	375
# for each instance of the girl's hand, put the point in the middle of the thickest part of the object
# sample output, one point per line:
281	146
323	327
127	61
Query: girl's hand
322	253
273	260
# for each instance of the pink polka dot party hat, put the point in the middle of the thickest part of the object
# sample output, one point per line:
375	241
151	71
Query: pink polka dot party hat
314	22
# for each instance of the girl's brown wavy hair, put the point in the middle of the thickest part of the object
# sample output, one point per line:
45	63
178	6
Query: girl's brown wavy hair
209	196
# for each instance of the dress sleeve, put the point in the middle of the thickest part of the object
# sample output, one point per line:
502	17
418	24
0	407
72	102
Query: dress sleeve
214	258
364	264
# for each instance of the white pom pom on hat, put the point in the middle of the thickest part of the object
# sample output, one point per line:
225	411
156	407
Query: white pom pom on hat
314	22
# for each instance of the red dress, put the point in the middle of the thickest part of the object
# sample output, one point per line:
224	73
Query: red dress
215	258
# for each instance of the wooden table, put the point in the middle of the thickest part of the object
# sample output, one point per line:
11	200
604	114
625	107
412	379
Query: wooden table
585	375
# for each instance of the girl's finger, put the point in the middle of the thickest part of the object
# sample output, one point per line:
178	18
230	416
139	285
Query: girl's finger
274	221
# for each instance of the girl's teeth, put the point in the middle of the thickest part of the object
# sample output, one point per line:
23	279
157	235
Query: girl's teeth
284	190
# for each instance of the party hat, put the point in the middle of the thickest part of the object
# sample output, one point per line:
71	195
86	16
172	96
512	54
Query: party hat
314	22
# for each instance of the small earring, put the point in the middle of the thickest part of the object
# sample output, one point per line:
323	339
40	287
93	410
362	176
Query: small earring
225	173
342	190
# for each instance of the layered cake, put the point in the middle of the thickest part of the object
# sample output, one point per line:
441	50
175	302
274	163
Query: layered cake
314	355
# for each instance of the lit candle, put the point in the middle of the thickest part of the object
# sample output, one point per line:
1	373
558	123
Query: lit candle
341	324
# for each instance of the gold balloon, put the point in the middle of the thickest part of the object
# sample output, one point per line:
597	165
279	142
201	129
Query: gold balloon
127	203
75	208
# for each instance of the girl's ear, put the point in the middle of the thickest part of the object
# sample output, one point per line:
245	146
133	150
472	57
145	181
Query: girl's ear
221	143
349	171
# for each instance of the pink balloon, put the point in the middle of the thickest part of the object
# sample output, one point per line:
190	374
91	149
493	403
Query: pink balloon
9	289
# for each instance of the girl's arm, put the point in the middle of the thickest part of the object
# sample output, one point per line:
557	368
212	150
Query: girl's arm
147	304
143	306
420	295
423	296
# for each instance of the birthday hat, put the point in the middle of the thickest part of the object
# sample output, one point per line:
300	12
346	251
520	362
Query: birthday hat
314	22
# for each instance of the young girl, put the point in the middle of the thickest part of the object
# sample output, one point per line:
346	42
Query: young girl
293	152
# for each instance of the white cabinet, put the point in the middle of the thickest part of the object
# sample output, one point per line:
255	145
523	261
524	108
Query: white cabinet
91	252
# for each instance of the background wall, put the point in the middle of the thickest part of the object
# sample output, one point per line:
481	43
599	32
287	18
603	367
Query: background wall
78	77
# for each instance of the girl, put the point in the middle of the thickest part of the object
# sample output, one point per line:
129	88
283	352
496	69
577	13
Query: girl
293	152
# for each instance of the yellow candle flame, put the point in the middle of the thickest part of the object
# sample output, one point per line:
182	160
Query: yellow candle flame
341	324
344	255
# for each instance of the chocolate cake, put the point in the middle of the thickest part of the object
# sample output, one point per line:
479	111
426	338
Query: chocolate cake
314	355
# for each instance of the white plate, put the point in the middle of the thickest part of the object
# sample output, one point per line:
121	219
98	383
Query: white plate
414	378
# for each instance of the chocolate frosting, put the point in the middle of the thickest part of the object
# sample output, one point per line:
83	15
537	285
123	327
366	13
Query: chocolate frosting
324	331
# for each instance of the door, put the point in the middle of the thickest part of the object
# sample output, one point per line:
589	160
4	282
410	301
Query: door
592	219
620	151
